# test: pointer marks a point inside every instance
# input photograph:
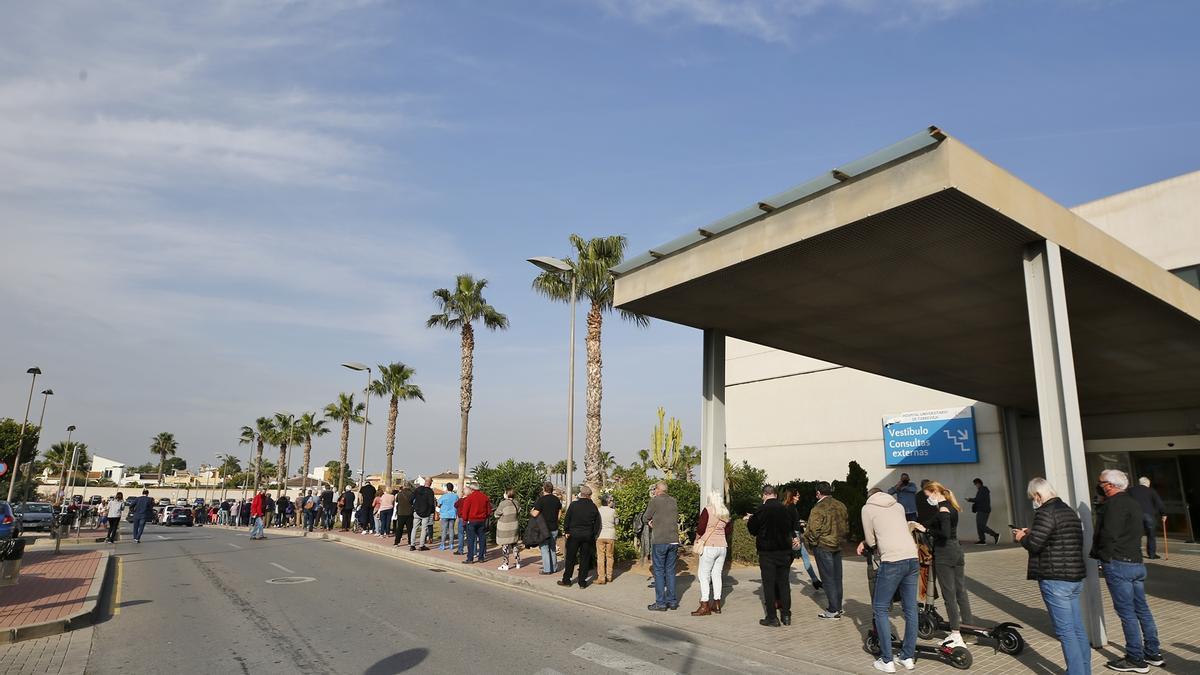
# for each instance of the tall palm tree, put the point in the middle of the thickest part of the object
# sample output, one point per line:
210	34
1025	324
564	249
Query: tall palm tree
606	465
307	426
59	454
394	383
164	445
258	435
247	436
345	410
460	309
591	268
283	436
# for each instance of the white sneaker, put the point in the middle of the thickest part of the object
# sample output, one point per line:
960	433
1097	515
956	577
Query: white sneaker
503	568
885	666
908	664
954	640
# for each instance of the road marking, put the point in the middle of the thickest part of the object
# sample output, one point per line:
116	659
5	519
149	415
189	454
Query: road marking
235	545
117	592
161	537
690	650
614	660
547	671
283	568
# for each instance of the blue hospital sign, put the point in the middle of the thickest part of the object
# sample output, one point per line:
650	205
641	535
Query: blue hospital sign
945	436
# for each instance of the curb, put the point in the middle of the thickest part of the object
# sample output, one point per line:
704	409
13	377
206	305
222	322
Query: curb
82	619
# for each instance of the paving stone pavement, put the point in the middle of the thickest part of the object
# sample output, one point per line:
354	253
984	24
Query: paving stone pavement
63	654
51	587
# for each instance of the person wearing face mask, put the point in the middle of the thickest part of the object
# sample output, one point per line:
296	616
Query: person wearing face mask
1055	545
948	561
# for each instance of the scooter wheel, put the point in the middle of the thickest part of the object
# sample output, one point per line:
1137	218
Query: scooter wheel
925	627
960	658
1009	641
871	644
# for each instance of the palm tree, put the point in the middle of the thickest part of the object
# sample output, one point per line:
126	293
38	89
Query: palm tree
689	458
59	454
257	435
282	436
591	269
307	426
164	445
394	383
460	309
606	465
247	436
345	410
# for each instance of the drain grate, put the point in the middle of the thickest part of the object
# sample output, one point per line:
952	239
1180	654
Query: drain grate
290	580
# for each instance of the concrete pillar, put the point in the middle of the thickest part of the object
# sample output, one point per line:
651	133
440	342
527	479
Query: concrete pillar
1058	406
712	417
1018	500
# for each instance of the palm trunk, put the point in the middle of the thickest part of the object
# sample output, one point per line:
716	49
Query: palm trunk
467	380
345	448
281	471
162	460
393	412
307	458
258	463
591	457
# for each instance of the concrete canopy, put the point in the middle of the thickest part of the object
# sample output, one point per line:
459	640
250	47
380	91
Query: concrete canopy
911	268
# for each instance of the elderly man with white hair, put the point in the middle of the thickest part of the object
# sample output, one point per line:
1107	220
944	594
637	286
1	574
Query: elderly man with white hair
1118	546
1055	544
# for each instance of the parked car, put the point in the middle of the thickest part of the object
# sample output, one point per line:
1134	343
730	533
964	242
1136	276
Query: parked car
95	500
10	525
35	515
179	516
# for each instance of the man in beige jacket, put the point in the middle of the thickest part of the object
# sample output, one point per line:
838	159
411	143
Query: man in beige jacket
886	531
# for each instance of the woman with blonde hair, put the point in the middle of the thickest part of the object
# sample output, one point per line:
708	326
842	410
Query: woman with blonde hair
712	545
948	561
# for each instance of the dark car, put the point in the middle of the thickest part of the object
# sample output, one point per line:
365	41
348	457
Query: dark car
95	500
35	515
179	516
10	525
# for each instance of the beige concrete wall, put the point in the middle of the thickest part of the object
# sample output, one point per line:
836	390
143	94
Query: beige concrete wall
798	417
1160	221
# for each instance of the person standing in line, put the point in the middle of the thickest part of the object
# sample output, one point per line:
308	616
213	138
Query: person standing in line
423	504
258	512
448	513
547	507
346	506
582	526
926	514
143	509
981	506
1154	513
474	510
403	515
950	565
662	515
773	527
606	541
712	542
328	508
367	504
1118	545
309	509
460	524
906	493
387	505
828	525
887	530
114	509
1054	542
506	531
791	501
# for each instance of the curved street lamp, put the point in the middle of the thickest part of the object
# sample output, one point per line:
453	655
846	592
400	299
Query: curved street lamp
12	482
362	462
558	266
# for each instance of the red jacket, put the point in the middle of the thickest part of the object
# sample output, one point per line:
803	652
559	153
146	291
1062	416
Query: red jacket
475	507
256	506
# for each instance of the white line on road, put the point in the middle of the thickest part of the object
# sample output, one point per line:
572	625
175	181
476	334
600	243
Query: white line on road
161	537
235	545
614	660
547	671
690	650
283	568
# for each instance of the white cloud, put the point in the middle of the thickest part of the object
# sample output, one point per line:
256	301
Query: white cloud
780	20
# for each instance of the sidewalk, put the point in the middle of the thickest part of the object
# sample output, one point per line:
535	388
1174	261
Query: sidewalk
995	580
55	593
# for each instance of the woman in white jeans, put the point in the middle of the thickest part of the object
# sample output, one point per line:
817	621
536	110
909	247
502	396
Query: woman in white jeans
712	544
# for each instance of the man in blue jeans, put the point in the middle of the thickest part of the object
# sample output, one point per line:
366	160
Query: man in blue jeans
547	507
1118	546
662	515
886	530
143	509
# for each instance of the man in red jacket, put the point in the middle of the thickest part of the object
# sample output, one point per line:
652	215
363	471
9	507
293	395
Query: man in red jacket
475	511
257	513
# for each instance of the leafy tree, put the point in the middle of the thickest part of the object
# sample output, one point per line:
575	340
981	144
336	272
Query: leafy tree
592	270
334	469
460	309
164	445
745	485
394	384
174	463
308	426
525	478
10	431
345	410
143	468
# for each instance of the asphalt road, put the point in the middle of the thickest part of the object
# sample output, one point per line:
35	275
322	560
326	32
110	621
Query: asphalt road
200	599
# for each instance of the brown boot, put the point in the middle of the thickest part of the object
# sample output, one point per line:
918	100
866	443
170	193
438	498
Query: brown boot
702	610
715	606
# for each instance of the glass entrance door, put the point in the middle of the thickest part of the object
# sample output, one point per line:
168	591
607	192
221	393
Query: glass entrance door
1166	479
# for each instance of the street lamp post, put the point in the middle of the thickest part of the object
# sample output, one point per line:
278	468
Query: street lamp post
362	463
12	482
557	266
63	513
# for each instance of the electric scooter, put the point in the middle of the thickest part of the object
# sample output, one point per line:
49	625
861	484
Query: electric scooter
958	657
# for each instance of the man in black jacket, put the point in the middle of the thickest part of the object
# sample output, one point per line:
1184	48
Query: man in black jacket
423	503
582	525
981	506
1154	513
346	505
1118	545
1055	546
773	527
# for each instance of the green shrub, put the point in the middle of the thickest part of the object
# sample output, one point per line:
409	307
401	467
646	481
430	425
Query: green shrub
630	499
625	550
742	549
745	487
687	496
853	493
523	477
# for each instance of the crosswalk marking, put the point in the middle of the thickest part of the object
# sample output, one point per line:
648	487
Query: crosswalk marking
614	660
690	650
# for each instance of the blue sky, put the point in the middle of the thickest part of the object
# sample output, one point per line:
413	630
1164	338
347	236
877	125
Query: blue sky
207	206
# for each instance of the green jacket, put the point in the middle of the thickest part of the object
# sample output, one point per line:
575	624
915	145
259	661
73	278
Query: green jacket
828	525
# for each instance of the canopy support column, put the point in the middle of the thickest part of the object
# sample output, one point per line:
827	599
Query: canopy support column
1058	406
712	417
